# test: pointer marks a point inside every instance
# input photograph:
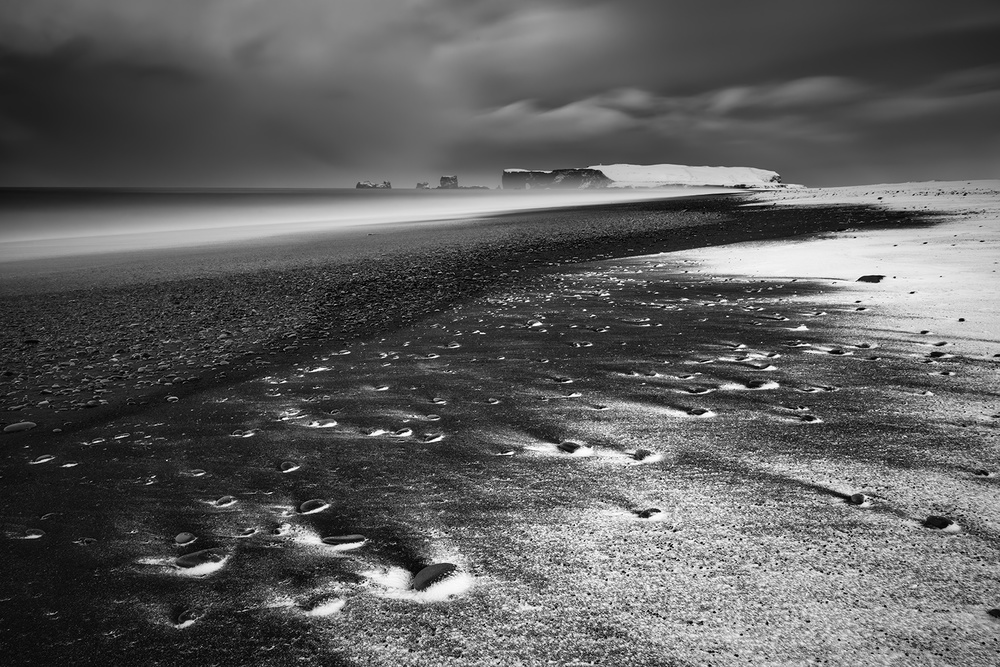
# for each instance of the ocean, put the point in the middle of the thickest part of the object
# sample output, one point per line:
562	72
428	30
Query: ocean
39	224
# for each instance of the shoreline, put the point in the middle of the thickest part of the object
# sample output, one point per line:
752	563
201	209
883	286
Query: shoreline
160	334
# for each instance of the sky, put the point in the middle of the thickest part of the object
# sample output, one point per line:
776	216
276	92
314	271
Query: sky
323	93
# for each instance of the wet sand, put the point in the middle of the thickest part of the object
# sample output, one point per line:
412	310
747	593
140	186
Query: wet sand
612	456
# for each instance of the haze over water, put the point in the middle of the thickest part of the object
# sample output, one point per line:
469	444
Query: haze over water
45	224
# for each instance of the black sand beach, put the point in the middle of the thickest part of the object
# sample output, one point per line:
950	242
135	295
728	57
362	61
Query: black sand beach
608	456
118	329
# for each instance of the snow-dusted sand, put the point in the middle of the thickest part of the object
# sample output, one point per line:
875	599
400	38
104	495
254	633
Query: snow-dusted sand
724	456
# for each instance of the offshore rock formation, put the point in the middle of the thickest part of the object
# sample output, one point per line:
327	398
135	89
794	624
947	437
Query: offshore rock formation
423	185
642	176
658	175
576	179
448	183
369	185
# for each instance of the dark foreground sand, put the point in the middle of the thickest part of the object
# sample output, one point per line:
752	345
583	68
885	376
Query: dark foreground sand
628	461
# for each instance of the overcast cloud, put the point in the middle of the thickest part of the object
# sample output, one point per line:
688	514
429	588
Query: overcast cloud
326	92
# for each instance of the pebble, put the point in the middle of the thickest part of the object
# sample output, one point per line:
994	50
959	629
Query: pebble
186	618
574	447
938	522
345	542
432	574
313	506
19	427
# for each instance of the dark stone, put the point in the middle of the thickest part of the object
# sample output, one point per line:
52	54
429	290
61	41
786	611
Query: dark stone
576	179
938	522
873	278
344	540
570	446
369	185
314	505
995	613
19	427
432	574
423	185
649	513
449	183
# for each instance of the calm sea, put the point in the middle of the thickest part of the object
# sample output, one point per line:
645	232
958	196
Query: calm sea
54	223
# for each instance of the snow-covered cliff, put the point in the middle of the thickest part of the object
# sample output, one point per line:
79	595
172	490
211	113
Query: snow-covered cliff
641	176
655	175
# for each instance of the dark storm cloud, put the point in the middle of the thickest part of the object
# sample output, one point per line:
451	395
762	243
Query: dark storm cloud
313	92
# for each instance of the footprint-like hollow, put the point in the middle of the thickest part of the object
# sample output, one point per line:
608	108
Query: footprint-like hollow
940	523
861	500
751	385
432	575
201	563
313	506
575	448
345	542
325	607
646	456
322	423
186	618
